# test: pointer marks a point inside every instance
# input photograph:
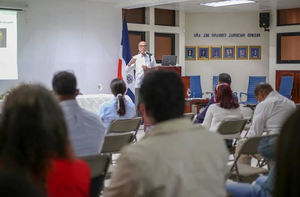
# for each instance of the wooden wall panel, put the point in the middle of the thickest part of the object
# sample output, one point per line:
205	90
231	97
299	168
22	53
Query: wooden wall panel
164	17
163	46
290	48
289	16
134	15
134	39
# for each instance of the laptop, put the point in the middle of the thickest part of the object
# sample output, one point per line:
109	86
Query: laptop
169	60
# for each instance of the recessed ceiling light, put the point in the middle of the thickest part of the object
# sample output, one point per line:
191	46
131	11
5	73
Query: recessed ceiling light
227	3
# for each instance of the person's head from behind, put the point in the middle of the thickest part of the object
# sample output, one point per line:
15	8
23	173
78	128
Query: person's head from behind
288	160
262	90
64	85
162	95
118	88
224	96
32	131
224	78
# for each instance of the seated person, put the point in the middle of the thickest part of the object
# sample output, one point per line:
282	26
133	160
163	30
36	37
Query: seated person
264	185
271	111
119	107
225	108
288	150
223	78
269	115
175	158
38	146
13	184
86	133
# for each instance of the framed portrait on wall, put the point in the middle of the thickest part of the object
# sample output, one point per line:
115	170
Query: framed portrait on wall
203	52
228	52
216	52
190	53
242	52
255	52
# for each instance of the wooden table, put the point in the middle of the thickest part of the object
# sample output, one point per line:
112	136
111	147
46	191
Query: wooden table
199	102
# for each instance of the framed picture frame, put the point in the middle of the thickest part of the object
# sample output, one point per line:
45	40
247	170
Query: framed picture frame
216	53
242	52
203	52
190	52
228	52
255	52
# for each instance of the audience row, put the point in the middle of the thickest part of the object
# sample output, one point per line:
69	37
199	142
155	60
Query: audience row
42	135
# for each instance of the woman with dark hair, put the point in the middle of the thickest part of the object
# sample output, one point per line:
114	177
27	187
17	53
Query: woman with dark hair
34	142
288	160
119	107
225	108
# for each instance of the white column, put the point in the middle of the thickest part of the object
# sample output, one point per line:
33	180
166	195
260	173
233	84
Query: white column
151	32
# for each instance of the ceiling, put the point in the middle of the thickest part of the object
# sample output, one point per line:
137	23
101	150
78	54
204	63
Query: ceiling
194	5
190	5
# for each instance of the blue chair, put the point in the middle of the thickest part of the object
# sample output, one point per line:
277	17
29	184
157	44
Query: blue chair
253	82
286	86
215	82
195	86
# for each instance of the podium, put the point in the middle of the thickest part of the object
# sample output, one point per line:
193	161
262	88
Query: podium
176	69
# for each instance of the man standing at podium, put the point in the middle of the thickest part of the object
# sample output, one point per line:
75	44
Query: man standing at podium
140	63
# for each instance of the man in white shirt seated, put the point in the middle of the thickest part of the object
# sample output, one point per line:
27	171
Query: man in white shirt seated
176	158
86	133
271	112
269	115
140	63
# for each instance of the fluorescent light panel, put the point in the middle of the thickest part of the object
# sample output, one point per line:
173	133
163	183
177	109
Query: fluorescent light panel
227	3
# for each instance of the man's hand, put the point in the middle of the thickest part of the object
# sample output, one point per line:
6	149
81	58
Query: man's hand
145	67
132	61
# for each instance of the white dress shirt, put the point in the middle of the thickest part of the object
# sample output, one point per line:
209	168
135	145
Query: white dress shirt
137	66
216	114
85	131
108	111
175	159
270	114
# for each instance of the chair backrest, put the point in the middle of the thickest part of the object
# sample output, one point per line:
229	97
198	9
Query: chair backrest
114	143
215	82
98	163
286	86
298	106
124	125
251	144
253	82
229	127
195	86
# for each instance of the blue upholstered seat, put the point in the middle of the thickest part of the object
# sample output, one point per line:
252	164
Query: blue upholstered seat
286	86
195	86
253	82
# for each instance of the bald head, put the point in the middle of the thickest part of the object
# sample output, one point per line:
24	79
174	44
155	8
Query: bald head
142	47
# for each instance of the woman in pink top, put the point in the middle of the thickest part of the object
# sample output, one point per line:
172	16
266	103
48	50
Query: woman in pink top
34	142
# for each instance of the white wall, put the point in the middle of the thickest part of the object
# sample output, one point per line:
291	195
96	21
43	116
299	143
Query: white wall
273	40
83	36
245	22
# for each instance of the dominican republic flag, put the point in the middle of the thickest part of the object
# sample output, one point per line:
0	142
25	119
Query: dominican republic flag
124	58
